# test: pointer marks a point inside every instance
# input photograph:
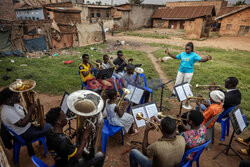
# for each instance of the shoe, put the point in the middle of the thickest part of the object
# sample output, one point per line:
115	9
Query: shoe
172	96
240	140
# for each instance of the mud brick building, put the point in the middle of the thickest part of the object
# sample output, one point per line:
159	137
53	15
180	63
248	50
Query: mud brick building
7	11
196	20
218	4
234	21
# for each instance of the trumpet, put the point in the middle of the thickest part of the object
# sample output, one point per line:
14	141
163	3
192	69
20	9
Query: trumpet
179	120
139	116
197	86
197	98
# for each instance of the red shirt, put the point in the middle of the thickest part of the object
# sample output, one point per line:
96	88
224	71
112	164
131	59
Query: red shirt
210	112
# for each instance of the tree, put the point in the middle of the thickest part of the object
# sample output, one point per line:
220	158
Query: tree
137	2
240	3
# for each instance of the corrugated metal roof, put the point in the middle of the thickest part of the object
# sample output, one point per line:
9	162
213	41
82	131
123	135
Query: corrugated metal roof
63	9
230	10
100	6
183	12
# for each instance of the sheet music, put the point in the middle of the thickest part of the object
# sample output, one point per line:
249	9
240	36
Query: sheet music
181	94
132	89
187	89
240	120
137	95
64	106
139	123
152	110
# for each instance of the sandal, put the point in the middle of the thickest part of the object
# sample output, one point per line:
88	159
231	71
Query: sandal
240	140
135	132
243	151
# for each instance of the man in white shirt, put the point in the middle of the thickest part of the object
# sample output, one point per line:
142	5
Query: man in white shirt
13	116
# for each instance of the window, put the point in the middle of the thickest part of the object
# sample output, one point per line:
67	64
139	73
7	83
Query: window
107	14
247	29
228	26
98	14
33	18
92	15
48	15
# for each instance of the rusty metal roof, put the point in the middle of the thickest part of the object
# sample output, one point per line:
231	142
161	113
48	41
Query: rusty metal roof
64	9
183	12
230	10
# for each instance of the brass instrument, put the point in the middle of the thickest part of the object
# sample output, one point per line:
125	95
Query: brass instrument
125	92
29	97
187	105
98	65
178	120
198	86
87	105
139	116
138	71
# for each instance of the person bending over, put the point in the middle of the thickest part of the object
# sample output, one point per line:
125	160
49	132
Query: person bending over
167	151
13	116
62	150
116	115
186	69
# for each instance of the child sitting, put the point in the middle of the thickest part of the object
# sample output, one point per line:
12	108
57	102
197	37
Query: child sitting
117	116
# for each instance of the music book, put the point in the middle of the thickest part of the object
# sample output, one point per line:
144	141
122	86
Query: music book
183	91
237	120
148	110
64	106
135	94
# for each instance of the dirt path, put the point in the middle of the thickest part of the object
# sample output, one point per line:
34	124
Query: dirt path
240	43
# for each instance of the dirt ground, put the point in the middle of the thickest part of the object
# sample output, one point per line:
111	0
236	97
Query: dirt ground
117	154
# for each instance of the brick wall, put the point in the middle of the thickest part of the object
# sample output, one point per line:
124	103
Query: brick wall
217	4
158	23
194	28
230	25
7	10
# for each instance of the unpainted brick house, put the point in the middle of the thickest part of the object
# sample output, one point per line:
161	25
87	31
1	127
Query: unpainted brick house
234	21
196	20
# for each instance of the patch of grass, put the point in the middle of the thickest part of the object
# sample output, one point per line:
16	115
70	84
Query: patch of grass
165	46
148	35
224	64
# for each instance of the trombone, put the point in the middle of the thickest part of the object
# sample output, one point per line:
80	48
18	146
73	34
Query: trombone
139	116
198	86
99	65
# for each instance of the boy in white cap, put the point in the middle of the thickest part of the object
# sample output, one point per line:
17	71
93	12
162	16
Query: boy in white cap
217	98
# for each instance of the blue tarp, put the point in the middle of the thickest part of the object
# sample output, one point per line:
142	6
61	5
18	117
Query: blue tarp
37	44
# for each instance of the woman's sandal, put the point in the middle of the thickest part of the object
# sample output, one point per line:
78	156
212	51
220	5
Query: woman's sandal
243	151
240	140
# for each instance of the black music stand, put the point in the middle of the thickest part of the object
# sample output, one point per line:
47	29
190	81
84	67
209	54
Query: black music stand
70	116
183	91
238	127
162	88
105	73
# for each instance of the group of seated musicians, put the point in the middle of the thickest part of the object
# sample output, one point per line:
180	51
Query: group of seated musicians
168	151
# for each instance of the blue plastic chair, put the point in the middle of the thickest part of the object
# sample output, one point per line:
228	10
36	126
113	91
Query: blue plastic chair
225	123
145	85
83	84
39	163
19	141
109	130
197	150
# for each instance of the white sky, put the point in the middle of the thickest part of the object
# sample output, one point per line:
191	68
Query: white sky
161	2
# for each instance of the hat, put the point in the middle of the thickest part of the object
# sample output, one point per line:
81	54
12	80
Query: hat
130	66
217	96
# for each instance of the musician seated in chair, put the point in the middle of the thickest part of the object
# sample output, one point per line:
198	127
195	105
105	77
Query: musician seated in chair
117	116
167	151
120	63
62	150
86	73
106	62
13	116
217	98
193	132
128	78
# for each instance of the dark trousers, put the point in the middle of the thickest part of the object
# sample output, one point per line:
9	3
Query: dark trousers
96	161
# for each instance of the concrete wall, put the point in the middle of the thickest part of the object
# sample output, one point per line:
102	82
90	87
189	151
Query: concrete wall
7	11
194	28
217	4
30	14
236	21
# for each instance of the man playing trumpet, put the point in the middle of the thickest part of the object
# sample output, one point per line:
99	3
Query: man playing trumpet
167	151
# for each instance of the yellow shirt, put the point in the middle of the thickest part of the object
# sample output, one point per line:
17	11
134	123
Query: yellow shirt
84	68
